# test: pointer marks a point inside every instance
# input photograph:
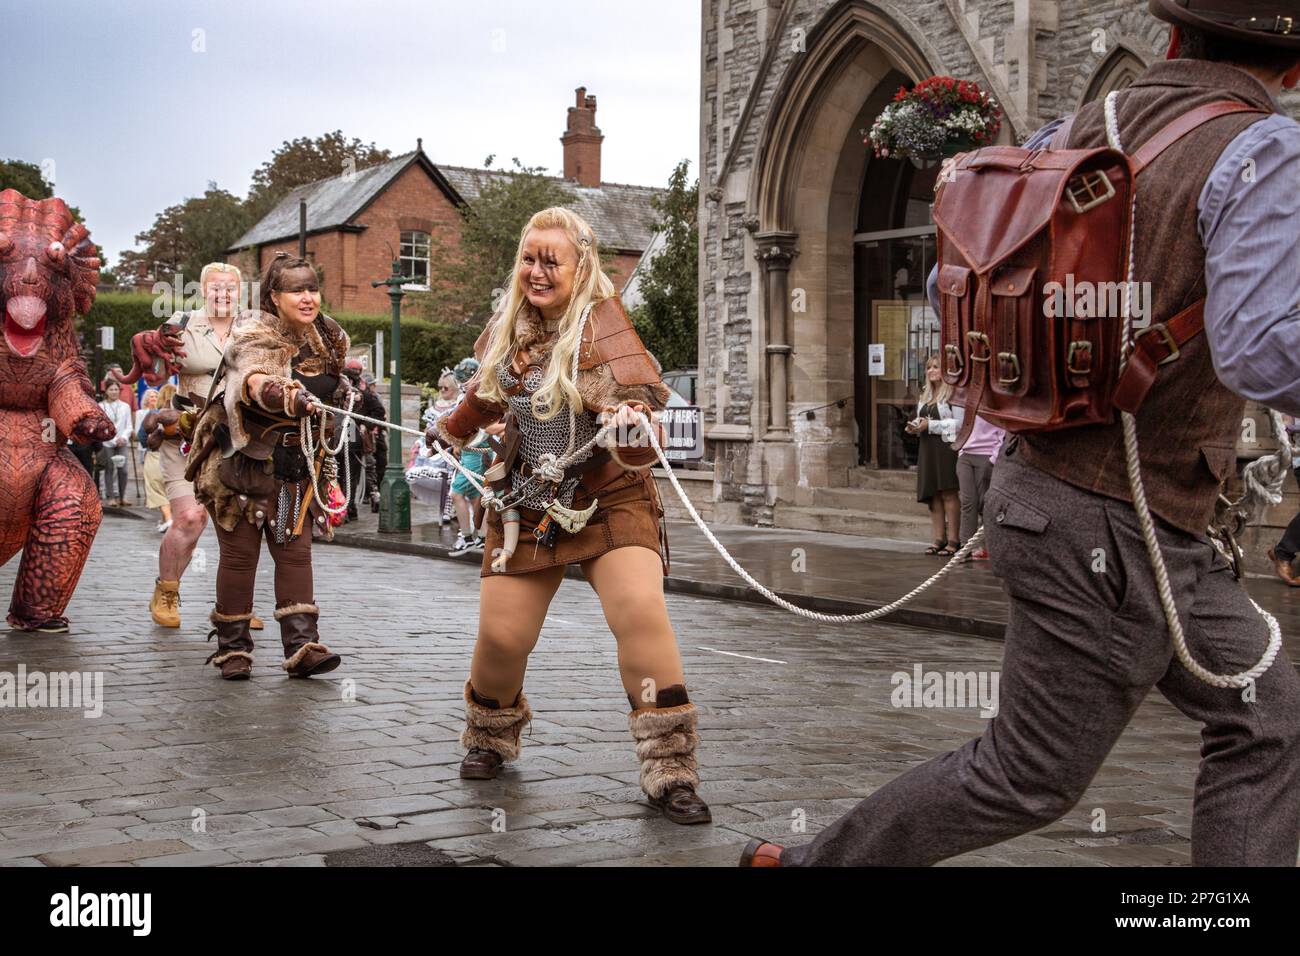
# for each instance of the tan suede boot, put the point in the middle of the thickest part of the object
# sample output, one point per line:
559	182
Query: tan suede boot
165	606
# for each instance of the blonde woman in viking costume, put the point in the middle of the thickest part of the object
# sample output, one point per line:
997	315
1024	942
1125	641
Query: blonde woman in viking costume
190	346
556	359
261	461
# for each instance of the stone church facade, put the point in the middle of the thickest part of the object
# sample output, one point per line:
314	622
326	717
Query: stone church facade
811	249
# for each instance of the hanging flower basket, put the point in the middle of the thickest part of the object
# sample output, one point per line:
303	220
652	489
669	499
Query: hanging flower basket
938	117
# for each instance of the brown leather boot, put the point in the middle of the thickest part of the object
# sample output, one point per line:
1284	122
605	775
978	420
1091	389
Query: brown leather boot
165	605
491	733
234	653
1285	569
665	743
304	654
761	853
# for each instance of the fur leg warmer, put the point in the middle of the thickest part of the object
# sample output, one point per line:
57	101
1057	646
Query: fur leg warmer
666	739
497	729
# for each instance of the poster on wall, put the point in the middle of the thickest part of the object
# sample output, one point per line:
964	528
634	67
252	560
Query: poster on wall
876	359
890	320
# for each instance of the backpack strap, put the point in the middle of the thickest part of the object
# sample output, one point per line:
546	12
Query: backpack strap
1183	125
1162	342
1156	345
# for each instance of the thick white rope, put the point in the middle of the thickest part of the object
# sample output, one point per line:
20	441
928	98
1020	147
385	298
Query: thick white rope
309	452
748	578
1247	677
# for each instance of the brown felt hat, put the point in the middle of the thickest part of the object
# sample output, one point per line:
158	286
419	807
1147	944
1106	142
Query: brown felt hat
1267	22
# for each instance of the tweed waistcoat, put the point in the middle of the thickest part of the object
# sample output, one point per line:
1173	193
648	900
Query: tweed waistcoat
1188	425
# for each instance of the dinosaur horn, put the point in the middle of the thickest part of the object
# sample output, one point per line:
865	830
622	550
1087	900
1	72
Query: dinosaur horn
75	235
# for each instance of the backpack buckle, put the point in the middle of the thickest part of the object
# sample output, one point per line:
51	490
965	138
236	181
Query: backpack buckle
955	363
1015	364
1088	190
976	338
1164	334
1083	348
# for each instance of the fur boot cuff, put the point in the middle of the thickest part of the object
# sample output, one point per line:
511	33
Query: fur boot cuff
495	729
216	617
292	662
219	659
282	612
665	744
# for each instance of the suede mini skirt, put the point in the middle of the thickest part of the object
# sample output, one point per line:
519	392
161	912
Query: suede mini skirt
628	513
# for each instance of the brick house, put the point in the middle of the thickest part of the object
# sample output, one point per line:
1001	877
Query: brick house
357	222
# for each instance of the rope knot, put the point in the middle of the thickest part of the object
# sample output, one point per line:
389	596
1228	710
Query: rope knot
549	468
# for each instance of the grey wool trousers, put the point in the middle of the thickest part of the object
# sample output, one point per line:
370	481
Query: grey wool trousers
1086	641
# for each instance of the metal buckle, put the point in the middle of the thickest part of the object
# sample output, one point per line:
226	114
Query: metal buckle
977	337
1169	341
954	355
1081	346
1015	361
1082	190
1280	25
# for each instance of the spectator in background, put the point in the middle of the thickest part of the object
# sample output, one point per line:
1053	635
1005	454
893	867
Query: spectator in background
466	499
155	491
975	461
112	454
148	403
1283	554
127	395
936	473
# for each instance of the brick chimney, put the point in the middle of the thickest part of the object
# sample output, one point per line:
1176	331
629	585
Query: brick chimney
582	142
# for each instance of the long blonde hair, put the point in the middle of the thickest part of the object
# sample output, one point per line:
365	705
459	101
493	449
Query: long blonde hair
590	284
929	395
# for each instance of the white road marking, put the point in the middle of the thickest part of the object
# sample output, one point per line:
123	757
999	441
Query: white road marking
765	660
398	590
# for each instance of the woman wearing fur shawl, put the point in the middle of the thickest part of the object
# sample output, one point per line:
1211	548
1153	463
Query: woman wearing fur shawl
559	358
250	471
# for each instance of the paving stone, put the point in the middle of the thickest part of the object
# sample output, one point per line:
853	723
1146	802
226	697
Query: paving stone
284	769
113	853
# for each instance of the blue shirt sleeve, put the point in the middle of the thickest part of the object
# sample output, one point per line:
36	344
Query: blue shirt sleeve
1250	226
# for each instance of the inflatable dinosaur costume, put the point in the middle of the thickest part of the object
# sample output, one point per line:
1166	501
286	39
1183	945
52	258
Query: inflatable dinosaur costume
49	507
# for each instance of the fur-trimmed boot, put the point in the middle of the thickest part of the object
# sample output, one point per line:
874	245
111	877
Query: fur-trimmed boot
665	743
234	653
491	733
304	654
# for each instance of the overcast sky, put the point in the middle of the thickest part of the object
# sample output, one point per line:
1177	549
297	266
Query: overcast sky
133	105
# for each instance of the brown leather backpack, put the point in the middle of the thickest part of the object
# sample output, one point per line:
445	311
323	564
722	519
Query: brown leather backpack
1018	232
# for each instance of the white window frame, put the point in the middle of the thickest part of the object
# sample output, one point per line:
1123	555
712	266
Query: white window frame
403	257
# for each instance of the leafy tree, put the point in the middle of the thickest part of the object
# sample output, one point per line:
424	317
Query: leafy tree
186	237
24	177
466	276
305	160
668	322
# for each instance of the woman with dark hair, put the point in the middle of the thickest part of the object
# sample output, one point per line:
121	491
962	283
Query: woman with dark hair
261	460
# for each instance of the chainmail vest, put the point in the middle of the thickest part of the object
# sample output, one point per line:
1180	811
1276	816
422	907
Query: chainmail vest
538	437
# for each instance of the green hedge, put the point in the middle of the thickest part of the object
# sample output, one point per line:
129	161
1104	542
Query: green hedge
427	347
